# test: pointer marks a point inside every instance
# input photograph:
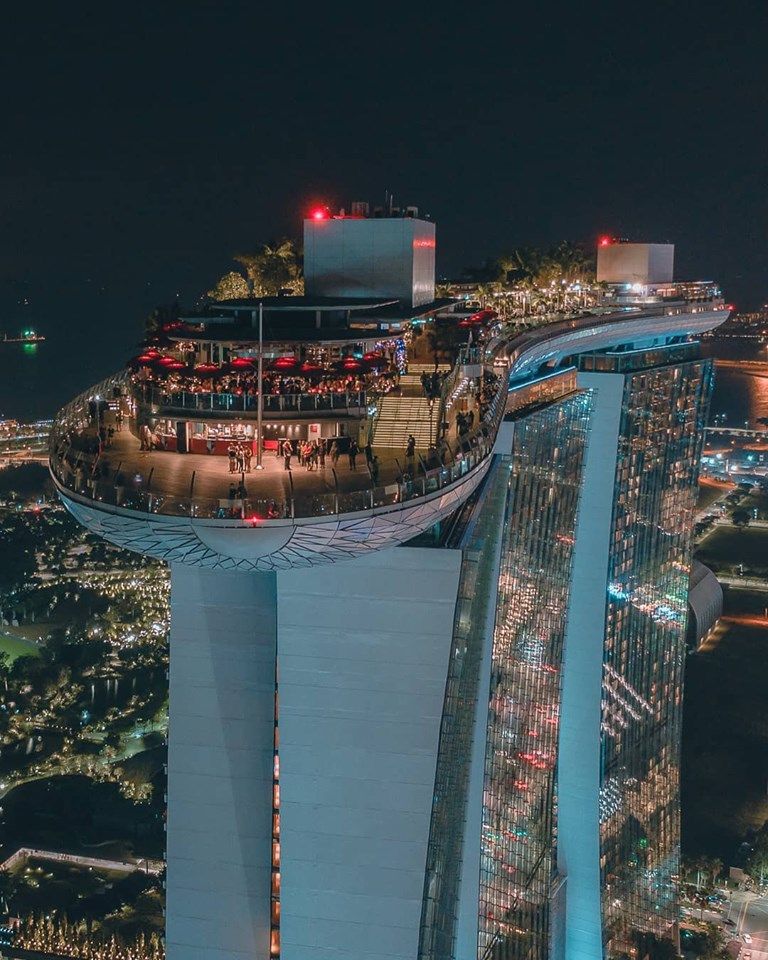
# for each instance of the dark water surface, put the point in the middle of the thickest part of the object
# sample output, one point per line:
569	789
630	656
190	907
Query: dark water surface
740	396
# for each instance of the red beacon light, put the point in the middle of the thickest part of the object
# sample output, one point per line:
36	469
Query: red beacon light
320	213
605	241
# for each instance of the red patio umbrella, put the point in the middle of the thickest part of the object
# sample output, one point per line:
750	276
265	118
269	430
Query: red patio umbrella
284	363
309	369
241	363
350	365
207	369
143	360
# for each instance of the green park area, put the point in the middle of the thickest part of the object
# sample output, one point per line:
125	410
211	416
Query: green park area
85	817
726	547
757	500
15	645
708	494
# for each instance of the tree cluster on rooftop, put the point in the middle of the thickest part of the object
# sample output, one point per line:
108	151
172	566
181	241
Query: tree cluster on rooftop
535	266
272	269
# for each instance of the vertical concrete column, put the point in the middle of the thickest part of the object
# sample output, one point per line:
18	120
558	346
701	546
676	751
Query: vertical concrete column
579	775
363	659
220	762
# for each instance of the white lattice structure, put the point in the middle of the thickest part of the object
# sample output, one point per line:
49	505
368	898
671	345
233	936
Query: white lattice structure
251	546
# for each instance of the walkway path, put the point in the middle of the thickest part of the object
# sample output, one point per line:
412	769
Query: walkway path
203	476
153	867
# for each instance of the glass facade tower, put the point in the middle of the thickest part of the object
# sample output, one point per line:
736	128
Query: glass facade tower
662	418
579	705
519	810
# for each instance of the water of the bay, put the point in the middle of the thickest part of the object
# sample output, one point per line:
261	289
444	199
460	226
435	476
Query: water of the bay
739	395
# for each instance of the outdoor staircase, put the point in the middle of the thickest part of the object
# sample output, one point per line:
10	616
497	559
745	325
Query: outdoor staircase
403	414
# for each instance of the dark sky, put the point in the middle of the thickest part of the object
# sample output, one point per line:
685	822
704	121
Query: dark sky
142	144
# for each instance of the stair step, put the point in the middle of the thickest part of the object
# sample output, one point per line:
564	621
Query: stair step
401	416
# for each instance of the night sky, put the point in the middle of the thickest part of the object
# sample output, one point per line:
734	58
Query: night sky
143	144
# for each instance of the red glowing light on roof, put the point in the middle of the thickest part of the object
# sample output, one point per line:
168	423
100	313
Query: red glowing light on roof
605	241
319	213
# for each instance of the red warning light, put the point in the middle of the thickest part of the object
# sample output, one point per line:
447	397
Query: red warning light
320	213
605	241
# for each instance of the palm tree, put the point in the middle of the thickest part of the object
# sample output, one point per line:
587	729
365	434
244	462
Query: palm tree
486	292
5	668
715	869
694	867
505	265
572	262
273	268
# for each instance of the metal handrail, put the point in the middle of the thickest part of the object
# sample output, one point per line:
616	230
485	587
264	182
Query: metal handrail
226	402
88	474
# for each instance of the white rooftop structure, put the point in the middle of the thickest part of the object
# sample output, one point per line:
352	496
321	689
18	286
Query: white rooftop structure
642	263
361	256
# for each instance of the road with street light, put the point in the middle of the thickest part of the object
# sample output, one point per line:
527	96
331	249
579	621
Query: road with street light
744	917
749	911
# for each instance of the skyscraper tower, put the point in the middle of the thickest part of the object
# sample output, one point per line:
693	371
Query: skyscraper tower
580	846
424	701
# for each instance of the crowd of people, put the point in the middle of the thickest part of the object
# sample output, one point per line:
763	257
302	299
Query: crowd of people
432	384
246	383
312	454
240	456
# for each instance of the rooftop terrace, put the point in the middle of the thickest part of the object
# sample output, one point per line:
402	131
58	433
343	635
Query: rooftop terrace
189	507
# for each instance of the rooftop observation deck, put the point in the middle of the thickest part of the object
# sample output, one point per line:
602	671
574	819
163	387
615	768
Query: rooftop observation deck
388	500
124	475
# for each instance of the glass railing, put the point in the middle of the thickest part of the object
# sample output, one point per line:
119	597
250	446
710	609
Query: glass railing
175	400
102	477
89	475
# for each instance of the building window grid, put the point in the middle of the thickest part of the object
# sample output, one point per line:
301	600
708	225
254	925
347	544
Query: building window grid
446	841
661	429
518	853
